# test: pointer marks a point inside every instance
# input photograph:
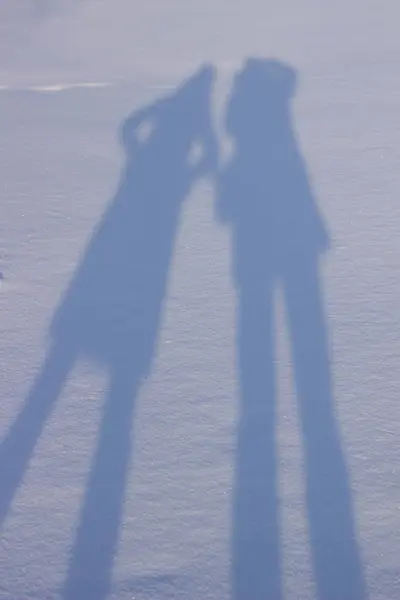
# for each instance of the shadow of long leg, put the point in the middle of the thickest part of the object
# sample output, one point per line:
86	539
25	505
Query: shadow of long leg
19	442
90	570
256	568
337	564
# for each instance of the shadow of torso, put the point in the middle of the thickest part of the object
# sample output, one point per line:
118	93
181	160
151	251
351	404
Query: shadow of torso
112	308
264	191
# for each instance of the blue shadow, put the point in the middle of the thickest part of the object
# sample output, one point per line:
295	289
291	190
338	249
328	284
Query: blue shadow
278	238
111	313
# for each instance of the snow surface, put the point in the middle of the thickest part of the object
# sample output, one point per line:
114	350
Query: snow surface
199	300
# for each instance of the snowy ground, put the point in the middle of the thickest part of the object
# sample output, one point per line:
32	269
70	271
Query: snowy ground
199	300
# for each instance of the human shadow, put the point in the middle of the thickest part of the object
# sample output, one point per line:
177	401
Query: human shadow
111	314
278	237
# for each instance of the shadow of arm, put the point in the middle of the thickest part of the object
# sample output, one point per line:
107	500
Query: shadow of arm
225	197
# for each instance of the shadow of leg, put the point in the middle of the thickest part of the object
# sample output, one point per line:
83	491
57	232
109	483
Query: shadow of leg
19	442
256	568
90	570
337	564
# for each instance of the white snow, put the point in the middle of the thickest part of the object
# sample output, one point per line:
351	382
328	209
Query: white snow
199	301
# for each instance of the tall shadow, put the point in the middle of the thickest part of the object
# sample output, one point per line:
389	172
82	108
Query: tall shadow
111	313
278	237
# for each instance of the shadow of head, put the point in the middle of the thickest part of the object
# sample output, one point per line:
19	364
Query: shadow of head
261	97
181	116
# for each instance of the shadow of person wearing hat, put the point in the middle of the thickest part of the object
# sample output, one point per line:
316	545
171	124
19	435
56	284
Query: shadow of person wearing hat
278	239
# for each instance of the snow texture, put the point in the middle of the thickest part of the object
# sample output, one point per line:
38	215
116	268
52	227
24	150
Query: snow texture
199	300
